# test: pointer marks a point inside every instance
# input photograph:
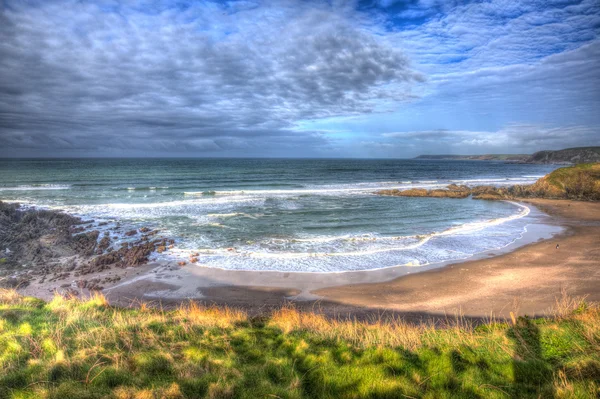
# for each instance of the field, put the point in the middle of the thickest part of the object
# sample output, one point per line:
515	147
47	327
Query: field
71	348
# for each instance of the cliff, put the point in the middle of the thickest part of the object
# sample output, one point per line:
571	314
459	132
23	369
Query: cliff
566	156
484	157
569	155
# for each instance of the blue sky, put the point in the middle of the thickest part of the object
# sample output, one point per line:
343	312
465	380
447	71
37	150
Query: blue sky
297	78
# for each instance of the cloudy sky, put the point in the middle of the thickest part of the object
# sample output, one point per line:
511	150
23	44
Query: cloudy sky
387	78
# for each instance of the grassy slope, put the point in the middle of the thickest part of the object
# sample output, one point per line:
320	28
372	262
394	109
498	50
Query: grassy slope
73	349
574	182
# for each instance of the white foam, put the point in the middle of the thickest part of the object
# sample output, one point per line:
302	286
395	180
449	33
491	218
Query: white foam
417	242
309	191
231	215
34	187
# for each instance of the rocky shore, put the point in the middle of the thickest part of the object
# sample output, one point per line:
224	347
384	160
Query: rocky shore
50	246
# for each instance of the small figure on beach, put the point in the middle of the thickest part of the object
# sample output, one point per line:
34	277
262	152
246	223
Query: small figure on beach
556	246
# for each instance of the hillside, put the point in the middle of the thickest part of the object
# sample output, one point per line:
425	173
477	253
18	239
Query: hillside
566	156
485	157
70	348
578	182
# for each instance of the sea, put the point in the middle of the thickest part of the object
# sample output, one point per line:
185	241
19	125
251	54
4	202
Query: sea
289	215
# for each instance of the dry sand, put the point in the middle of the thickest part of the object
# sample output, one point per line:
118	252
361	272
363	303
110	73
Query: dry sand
527	280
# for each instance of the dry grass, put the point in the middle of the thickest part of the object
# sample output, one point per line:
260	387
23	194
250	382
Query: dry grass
377	332
70	348
10	296
213	316
566	305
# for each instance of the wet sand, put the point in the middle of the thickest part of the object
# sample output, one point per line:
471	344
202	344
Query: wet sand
527	280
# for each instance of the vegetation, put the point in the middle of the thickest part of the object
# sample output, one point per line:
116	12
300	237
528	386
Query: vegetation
567	156
580	182
69	348
483	157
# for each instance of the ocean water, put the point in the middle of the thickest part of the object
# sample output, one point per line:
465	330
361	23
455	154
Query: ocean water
282	214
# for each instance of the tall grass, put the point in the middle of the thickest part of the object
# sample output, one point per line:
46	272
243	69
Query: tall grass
73	348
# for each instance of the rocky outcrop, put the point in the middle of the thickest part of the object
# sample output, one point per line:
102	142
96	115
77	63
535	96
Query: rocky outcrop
452	191
53	245
37	236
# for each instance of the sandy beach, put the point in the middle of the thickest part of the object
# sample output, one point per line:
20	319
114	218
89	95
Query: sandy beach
527	280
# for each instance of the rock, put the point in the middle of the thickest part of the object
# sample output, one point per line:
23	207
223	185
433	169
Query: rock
103	244
182	263
453	191
85	243
193	260
488	196
14	282
131	233
448	193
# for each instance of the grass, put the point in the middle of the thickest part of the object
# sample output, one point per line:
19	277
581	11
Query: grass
70	348
574	182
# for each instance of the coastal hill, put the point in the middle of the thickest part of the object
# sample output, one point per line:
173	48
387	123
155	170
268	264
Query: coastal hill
577	182
484	157
567	156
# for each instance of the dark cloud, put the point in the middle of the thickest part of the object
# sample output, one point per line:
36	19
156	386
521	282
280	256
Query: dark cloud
89	79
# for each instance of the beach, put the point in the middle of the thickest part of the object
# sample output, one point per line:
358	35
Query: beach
316	233
527	280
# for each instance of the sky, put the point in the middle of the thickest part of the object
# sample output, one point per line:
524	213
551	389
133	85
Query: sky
297	78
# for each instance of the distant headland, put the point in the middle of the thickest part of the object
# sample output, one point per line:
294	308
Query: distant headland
566	156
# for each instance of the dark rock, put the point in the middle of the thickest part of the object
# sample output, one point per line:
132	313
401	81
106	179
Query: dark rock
103	244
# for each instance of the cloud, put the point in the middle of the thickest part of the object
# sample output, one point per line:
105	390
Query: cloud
515	138
296	78
206	78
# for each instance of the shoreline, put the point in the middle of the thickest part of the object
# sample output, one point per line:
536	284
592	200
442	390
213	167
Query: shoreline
432	290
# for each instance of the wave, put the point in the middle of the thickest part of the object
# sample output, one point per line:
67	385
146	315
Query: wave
167	204
148	188
317	191
421	240
33	187
231	215
358	188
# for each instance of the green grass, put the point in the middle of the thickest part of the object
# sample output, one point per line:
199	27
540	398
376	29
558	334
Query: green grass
574	182
69	348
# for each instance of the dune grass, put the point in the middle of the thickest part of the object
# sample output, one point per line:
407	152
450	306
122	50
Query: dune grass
70	348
